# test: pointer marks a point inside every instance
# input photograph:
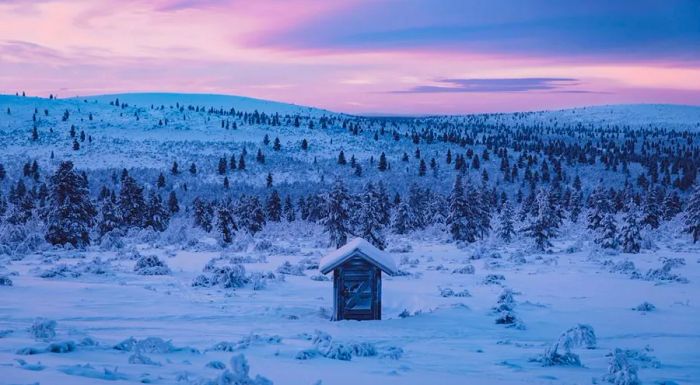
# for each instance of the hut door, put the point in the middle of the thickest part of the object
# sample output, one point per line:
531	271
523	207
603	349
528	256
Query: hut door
358	293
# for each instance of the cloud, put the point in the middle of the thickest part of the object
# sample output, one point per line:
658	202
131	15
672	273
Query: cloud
496	85
634	29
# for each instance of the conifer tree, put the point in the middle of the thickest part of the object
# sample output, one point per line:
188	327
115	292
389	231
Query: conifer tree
607	236
458	217
274	207
543	226
336	221
599	206
692	214
422	168
174	170
382	166
278	145
506	229
370	220
402	218
341	158
250	214
71	212
672	205
289	212
268	180
157	216
222	166
108	217
173	204
651	214
225	223
161	180
241	162
132	205
630	238
203	214
193	169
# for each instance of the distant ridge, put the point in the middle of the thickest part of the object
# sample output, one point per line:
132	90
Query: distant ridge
242	103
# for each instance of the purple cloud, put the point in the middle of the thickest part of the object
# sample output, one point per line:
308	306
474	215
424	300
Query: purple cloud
497	85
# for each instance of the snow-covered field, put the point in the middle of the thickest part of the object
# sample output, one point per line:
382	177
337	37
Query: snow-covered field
439	321
221	282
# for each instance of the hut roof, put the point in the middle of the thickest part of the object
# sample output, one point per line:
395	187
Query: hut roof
362	248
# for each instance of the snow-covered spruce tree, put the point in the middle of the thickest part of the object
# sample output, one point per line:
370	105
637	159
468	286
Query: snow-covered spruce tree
544	226
157	216
274	206
384	205
479	209
652	213
457	219
3	206
336	221
506	229
202	213
108	217
250	214
173	204
402	219
599	206
70	211
289	212
607	236
132	206
630	238
224	222
692	214
418	203
672	205
370	218
575	206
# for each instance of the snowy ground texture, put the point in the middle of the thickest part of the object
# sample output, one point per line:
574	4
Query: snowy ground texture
568	317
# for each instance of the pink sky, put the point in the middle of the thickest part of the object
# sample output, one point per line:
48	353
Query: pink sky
355	56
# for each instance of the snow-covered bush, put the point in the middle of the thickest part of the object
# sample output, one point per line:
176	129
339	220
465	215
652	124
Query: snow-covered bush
645	306
150	345
493	279
392	352
96	266
140	359
151	265
247	341
466	269
5	281
401	248
446	292
239	374
61	347
289	269
230	276
215	364
664	272
43	329
320	278
620	370
560	352
60	271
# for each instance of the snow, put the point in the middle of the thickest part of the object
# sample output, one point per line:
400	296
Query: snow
450	339
362	248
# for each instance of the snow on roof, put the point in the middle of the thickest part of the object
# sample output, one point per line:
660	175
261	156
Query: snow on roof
335	258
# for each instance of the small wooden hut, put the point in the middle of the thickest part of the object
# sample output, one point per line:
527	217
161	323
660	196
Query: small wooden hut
357	279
